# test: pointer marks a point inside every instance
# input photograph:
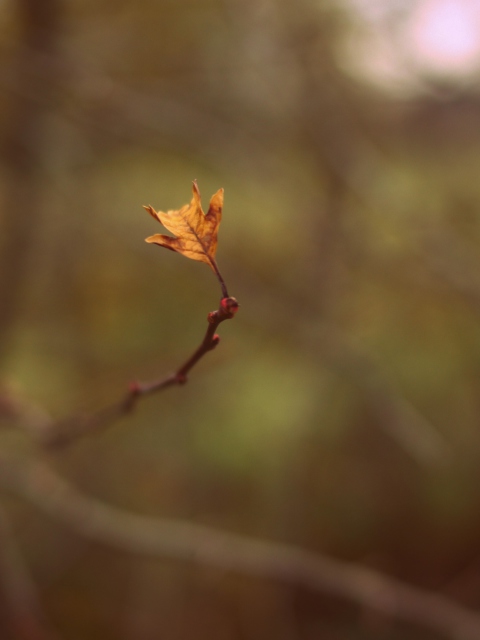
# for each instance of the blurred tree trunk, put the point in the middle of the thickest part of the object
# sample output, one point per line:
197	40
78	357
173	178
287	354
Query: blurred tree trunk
34	80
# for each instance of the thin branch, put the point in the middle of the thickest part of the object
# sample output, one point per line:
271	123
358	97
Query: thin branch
67	430
191	542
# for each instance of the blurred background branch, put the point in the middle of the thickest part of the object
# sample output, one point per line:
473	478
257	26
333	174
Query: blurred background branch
199	544
36	71
22	606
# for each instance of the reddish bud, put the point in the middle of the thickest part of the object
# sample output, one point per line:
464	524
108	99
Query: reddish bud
229	306
181	378
134	388
215	339
212	317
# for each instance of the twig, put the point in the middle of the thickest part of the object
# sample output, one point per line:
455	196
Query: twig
187	541
65	431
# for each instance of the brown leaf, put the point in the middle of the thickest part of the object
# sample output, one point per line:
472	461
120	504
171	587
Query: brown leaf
195	233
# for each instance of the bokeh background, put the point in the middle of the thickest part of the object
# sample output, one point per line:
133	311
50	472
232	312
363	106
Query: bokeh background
341	411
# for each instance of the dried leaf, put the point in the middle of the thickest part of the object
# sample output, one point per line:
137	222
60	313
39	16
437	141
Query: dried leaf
195	233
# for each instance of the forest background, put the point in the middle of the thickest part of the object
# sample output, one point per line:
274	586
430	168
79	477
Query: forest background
341	411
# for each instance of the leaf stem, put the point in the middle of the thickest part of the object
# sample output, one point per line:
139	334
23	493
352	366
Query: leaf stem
219	277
